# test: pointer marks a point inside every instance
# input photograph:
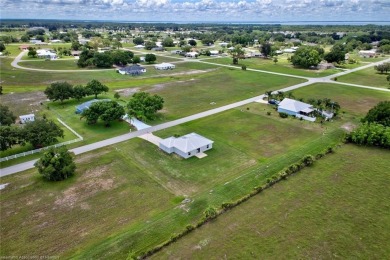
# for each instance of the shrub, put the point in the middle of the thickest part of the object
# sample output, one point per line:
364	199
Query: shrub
210	213
308	160
283	115
243	67
268	113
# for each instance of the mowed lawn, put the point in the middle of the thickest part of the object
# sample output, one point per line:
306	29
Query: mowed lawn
338	208
126	199
355	101
282	66
108	193
367	77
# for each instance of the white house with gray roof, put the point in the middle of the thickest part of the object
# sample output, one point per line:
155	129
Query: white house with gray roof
186	146
297	109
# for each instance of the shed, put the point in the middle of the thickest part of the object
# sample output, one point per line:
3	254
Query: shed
164	66
186	146
27	118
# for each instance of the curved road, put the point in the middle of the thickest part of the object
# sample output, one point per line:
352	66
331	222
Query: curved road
86	148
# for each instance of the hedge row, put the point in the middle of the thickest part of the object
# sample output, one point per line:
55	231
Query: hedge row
211	213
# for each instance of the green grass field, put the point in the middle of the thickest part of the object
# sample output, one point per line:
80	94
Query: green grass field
355	101
334	209
368	77
242	158
282	66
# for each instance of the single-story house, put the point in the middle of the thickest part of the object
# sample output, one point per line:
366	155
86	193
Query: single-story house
214	52
35	41
75	53
158	48
223	44
80	108
47	54
192	54
176	51
132	70
297	109
26	118
186	146
367	54
289	50
24	47
164	66
55	41
139	46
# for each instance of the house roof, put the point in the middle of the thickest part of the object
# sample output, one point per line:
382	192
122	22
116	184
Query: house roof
187	142
132	68
295	106
26	116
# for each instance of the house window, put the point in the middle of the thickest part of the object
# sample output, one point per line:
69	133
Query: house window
207	146
198	150
189	153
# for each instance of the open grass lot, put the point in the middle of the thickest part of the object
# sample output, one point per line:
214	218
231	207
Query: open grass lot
123	210
367	77
337	208
17	80
355	101
66	64
282	66
107	195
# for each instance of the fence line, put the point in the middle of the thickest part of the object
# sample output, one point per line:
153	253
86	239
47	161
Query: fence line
80	138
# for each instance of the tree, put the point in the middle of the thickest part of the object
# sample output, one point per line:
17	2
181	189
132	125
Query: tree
192	42
269	95
95	87
103	60
75	46
79	92
86	58
138	40
149	58
122	57
56	164
372	134
59	91
2	47
136	60
32	52
116	44
117	95
150	45
6	116
144	106
275	60
168	42
379	114
42	132
383	68
266	49
105	110
306	57
237	53
9	136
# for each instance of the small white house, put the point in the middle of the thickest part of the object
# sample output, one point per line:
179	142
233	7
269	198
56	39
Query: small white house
164	66
297	109
214	52
46	54
223	44
367	54
186	146
26	118
192	54
139	46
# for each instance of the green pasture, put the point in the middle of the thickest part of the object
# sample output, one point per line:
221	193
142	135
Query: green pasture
282	66
368	77
353	101
336	208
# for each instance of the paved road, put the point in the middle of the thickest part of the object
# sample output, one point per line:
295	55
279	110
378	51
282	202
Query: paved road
118	139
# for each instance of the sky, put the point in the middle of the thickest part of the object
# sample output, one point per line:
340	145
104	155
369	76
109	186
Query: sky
199	10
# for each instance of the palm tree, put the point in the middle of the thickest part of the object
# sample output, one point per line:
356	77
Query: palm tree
290	95
280	95
269	94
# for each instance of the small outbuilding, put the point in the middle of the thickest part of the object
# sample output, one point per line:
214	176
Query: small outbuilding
164	66
27	118
186	146
132	70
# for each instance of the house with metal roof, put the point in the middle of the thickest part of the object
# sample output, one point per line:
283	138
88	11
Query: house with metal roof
80	108
186	146
164	66
132	70
296	108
